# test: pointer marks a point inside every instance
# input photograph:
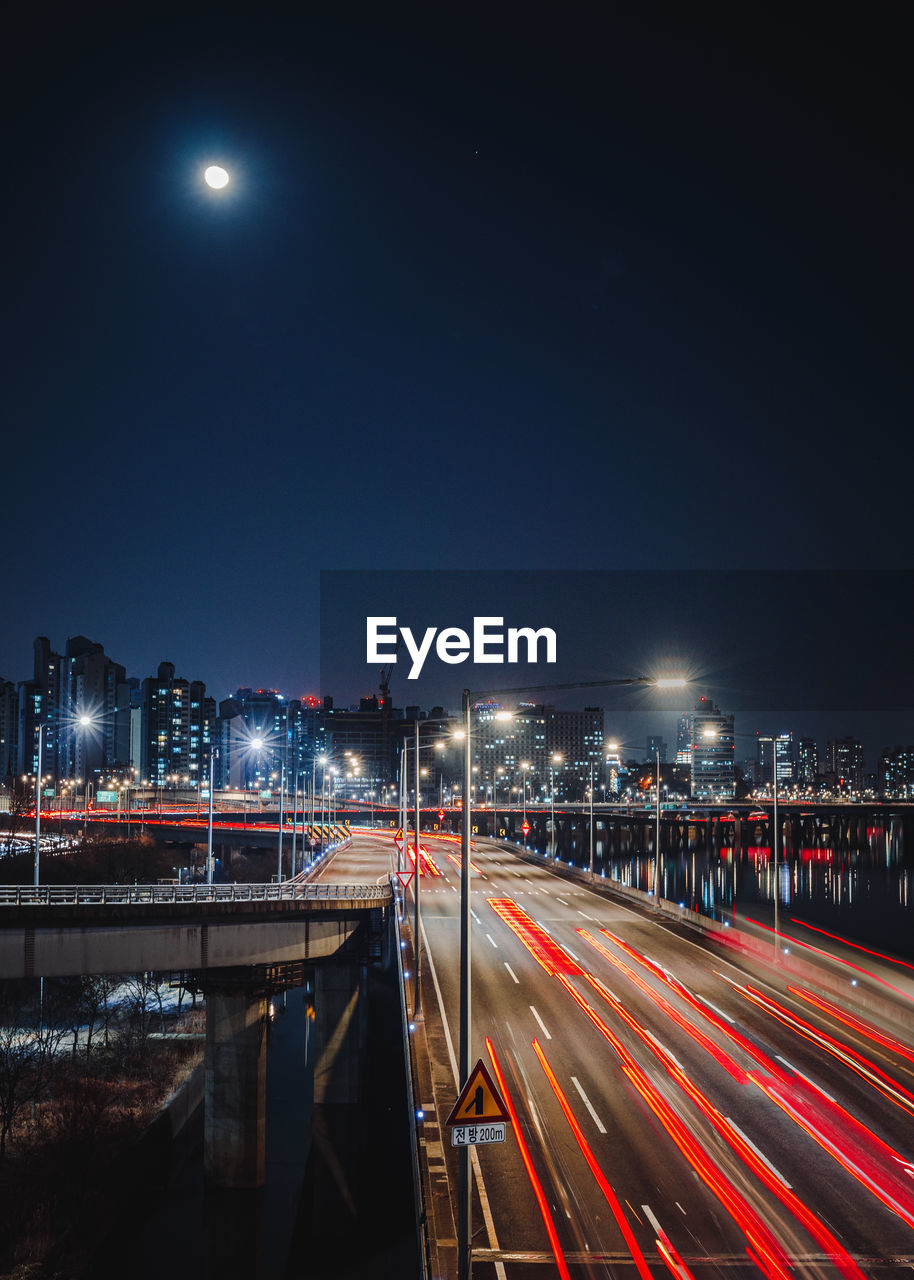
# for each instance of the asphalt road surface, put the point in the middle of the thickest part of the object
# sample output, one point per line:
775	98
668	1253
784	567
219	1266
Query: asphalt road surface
675	1110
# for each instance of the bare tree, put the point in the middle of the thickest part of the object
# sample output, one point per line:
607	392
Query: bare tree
27	1059
142	997
90	1005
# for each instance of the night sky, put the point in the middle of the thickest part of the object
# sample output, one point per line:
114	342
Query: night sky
492	288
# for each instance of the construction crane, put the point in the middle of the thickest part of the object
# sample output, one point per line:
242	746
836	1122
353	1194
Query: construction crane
385	683
386	672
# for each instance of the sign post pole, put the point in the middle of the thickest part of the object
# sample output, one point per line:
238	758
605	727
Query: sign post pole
417	996
464	1199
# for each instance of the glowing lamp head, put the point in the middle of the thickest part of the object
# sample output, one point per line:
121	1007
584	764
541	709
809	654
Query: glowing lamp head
216	177
257	743
85	721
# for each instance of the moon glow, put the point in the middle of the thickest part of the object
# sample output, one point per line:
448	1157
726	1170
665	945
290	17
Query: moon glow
215	176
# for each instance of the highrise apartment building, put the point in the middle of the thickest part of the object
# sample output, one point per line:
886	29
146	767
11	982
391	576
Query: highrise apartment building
712	750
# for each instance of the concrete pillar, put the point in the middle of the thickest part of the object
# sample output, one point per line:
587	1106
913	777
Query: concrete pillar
236	1073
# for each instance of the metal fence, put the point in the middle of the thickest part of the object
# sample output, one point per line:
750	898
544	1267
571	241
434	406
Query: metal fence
130	894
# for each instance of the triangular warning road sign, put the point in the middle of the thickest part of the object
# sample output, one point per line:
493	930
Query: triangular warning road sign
404	877
479	1100
398	839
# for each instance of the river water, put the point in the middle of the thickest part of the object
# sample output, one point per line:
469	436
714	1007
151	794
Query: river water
186	1231
862	889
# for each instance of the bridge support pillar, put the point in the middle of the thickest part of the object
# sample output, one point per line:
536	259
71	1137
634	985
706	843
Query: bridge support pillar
235	1074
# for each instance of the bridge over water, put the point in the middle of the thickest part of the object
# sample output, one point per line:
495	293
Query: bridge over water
241	944
616	827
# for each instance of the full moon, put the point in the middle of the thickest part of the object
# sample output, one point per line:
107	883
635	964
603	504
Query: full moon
215	176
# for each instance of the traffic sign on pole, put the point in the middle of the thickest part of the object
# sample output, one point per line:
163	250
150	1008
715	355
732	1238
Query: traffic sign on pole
479	1104
440	815
404	877
398	840
525	826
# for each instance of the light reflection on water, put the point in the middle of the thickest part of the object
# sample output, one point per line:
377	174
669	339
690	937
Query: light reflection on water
861	889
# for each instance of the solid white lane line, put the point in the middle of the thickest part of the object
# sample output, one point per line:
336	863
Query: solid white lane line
720	1013
474	915
542	1024
588	1104
492	940
812	1083
764	1159
563	902
646	1208
512	973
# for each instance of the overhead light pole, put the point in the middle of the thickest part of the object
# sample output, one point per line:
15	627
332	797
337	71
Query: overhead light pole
282	788
591	820
774	850
657	849
209	823
417	991
41	729
556	759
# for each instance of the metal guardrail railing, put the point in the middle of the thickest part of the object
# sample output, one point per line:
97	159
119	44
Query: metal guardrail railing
422	1240
135	894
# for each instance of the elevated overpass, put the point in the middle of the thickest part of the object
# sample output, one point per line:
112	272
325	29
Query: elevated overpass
241	944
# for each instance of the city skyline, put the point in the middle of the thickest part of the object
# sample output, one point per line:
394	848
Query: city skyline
633	729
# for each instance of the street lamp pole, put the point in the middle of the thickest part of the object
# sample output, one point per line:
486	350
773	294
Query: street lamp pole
774	852
417	997
295	775
38	799
282	787
591	819
209	825
657	849
552	807
401	812
311	840
464	1198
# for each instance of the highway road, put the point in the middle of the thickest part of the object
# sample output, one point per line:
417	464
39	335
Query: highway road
674	1110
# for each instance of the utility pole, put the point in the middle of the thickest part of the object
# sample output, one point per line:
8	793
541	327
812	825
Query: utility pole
591	819
464	1197
417	997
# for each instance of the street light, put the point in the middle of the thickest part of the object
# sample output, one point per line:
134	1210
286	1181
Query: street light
209	828
524	769
437	746
495	772
590	829
556	759
85	721
41	728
